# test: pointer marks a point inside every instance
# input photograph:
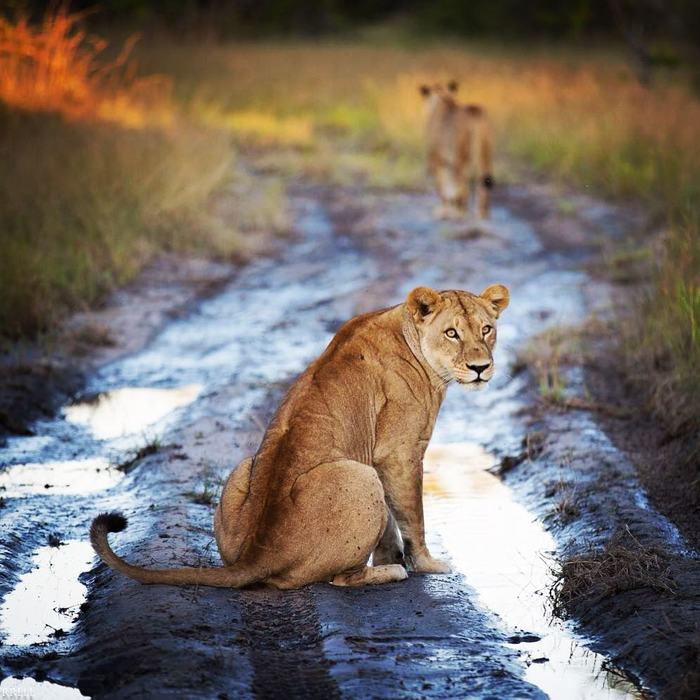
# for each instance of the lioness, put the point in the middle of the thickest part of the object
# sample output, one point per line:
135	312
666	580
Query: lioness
339	473
458	141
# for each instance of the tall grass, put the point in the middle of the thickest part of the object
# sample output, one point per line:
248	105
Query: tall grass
100	172
57	67
581	116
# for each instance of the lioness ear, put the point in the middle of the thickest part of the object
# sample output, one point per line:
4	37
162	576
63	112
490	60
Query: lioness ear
422	301
452	86
497	295
424	90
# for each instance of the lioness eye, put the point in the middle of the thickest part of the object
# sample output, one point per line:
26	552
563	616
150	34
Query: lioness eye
486	329
451	333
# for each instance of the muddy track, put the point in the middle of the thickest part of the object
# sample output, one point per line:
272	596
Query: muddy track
213	379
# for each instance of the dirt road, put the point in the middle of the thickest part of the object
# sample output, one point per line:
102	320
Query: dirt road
179	413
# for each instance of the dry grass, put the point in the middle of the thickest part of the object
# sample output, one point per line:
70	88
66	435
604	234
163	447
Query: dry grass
56	67
548	356
582	116
623	564
103	173
663	340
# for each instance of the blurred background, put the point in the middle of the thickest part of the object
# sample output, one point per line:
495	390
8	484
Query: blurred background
121	123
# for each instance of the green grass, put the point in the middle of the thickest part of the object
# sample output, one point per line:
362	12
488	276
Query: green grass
86	205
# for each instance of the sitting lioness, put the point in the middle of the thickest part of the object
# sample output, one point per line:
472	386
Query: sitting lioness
458	139
339	473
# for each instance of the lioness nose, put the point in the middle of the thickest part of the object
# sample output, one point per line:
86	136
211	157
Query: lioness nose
479	368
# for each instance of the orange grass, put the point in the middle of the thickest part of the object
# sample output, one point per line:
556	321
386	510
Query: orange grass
104	174
56	67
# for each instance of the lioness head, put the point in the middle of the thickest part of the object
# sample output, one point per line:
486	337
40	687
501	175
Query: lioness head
457	331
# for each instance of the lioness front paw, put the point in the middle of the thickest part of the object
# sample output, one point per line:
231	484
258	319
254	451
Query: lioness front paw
429	565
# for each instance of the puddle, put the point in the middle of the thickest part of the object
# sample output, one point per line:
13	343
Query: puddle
504	553
113	414
29	689
71	477
48	597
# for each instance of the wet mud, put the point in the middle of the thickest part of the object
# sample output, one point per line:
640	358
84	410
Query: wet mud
180	411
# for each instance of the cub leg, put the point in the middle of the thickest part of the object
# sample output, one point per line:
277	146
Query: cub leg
390	548
403	486
485	178
461	178
484	196
450	191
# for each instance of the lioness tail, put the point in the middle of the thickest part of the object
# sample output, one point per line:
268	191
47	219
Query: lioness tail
224	577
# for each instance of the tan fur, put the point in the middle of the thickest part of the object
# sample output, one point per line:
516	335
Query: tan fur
458	138
339	472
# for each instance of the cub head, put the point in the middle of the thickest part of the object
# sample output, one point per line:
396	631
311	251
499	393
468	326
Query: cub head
457	331
448	89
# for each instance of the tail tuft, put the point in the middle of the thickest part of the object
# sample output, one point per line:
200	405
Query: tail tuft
111	522
488	182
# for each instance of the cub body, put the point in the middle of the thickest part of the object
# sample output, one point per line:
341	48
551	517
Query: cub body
458	139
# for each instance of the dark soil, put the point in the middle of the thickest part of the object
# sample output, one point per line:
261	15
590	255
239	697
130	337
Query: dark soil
669	475
34	388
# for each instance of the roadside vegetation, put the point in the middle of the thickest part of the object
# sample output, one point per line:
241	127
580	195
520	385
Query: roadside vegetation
100	172
128	160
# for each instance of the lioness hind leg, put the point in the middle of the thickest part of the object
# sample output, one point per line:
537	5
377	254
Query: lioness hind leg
331	524
230	523
371	575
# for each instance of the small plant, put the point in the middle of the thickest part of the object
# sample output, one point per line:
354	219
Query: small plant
149	448
208	493
566	509
547	356
622	564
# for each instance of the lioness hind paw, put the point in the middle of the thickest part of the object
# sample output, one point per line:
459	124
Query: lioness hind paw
371	575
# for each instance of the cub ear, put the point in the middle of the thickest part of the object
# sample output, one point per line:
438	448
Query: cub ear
424	90
422	301
452	86
498	296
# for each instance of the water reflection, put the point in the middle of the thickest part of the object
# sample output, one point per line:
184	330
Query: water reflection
129	410
28	688
504	554
71	477
46	600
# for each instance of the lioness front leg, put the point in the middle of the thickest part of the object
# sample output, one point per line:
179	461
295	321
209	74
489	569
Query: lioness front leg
390	547
403	488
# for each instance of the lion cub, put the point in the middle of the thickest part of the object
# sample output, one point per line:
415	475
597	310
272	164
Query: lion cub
339	473
458	143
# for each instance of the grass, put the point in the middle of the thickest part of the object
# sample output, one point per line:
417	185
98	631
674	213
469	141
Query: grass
623	564
150	447
209	491
104	173
548	355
